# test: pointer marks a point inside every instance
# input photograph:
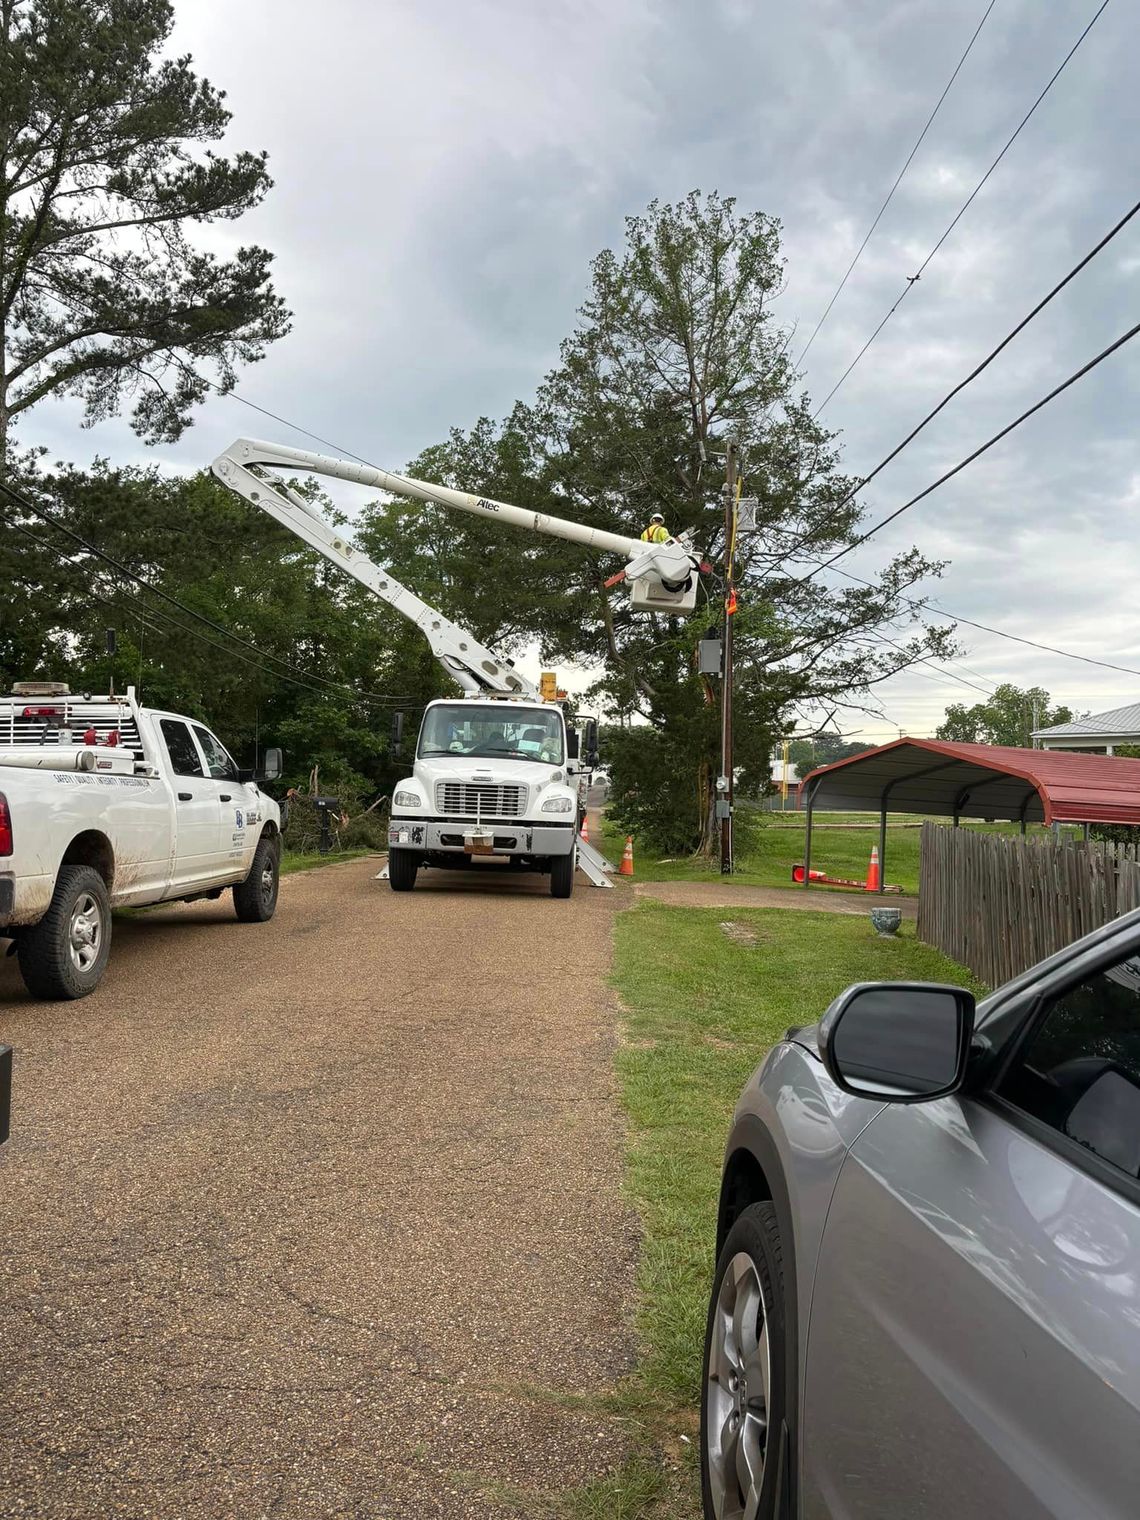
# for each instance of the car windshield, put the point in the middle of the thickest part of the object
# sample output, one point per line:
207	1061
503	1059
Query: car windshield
528	733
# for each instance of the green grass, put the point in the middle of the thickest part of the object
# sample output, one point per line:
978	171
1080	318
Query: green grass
701	1011
292	862
836	847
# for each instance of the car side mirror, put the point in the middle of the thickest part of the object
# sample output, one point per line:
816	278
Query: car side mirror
899	1042
274	764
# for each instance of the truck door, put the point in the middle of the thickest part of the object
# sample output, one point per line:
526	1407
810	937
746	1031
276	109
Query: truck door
238	830
197	825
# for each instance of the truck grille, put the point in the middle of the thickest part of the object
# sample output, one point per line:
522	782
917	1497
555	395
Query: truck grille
465	799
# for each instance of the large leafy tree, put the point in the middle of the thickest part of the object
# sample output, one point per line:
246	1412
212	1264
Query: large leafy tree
328	664
1008	717
677	350
106	167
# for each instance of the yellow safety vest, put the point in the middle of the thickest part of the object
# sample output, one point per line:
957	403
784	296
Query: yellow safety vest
656	533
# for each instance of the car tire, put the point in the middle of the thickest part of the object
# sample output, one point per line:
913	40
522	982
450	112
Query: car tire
743	1373
403	867
65	954
562	874
255	898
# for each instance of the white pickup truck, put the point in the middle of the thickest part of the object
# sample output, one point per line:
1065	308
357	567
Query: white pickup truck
105	804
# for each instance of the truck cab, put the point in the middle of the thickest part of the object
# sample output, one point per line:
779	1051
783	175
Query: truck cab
494	778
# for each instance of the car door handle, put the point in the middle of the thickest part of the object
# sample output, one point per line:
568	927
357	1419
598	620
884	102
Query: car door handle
225	797
186	796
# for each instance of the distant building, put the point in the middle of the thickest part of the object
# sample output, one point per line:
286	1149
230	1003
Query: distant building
1098	734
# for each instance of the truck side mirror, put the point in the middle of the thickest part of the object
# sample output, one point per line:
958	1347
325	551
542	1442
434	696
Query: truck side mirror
274	764
397	733
572	743
591	736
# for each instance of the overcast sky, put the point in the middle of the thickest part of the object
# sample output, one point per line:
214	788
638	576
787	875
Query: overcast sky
444	173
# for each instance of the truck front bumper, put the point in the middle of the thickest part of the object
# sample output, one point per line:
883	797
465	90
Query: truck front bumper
455	836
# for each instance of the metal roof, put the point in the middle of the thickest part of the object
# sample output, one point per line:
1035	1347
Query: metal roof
1119	720
980	781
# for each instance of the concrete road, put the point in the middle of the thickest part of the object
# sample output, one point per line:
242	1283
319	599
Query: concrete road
319	1217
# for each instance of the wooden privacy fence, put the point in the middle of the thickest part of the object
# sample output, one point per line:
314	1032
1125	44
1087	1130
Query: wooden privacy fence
999	904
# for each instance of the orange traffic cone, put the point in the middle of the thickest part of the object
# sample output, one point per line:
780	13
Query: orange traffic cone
626	867
873	870
585	832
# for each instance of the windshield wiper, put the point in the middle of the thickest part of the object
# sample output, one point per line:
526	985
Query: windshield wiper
458	753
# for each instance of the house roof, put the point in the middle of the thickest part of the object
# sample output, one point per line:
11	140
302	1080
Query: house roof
1117	721
980	781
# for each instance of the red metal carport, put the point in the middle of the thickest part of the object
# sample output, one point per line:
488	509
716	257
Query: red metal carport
974	781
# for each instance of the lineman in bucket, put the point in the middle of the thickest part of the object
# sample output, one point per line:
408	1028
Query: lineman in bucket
656	533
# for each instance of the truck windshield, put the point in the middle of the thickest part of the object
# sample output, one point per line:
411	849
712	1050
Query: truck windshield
486	731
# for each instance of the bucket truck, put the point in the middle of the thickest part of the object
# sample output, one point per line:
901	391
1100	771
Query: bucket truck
497	771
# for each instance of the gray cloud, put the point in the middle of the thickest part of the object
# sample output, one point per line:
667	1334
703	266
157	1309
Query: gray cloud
444	174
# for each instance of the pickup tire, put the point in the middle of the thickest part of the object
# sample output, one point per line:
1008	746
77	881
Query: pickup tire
402	868
255	898
65	954
562	869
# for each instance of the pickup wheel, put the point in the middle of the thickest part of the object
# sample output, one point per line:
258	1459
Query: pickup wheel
255	898
402	868
562	873
65	954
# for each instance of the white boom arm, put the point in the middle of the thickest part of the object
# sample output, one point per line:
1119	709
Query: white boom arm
662	577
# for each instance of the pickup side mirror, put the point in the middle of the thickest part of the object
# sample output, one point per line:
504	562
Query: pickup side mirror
899	1042
274	764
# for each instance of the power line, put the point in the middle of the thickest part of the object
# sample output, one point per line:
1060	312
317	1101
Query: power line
962	384
977	453
897	183
956	617
287	673
912	280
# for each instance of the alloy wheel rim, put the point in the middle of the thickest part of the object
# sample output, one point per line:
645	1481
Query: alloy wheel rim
267	882
738	1387
85	932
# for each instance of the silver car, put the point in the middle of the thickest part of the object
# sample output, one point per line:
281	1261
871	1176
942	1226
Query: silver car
927	1294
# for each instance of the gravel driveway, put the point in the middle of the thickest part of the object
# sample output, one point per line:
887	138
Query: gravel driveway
320	1217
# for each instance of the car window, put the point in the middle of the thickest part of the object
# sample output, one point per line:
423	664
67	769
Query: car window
220	765
180	748
1079	1070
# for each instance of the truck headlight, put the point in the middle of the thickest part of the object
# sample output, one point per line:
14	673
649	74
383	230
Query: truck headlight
558	805
406	799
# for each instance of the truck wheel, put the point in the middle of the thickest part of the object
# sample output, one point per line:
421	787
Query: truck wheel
562	874
402	868
255	898
65	954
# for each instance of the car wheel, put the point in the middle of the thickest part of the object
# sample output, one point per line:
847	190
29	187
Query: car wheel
562	874
64	955
402	868
742	1399
255	898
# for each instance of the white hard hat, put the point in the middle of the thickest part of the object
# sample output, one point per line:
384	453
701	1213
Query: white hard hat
657	517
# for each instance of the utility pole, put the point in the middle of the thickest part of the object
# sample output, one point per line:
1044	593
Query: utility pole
724	783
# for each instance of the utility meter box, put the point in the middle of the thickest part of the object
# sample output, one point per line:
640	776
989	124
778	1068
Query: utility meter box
710	656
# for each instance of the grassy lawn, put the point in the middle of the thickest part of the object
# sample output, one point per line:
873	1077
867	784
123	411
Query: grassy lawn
701	1010
291	861
840	845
